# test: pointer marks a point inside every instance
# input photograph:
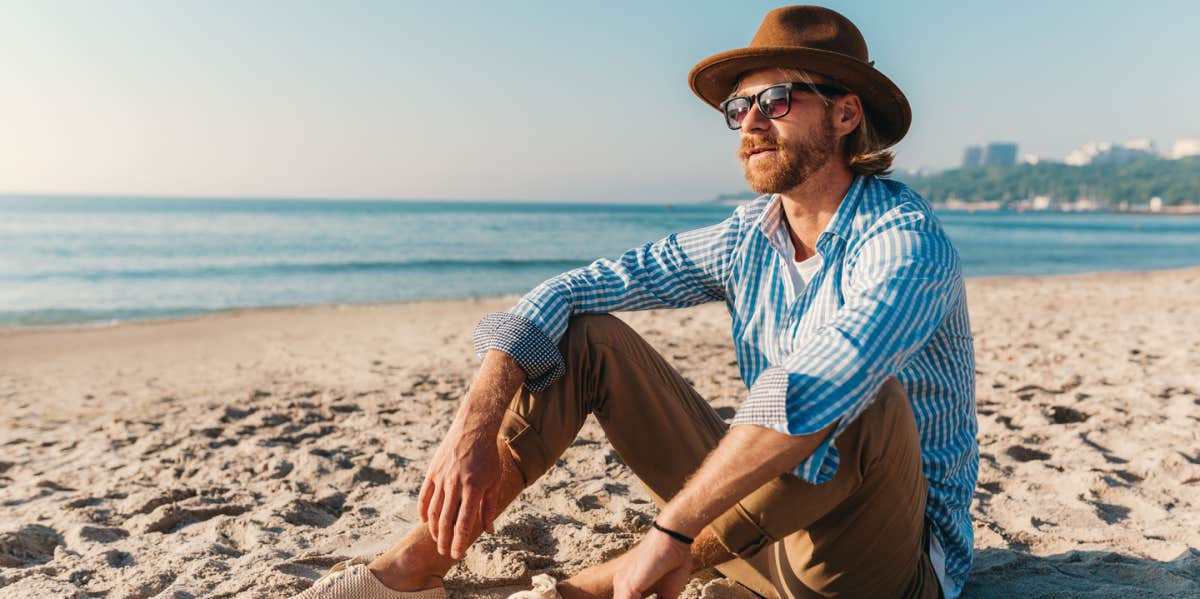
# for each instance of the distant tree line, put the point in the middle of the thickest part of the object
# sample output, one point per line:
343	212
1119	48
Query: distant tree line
740	196
1177	182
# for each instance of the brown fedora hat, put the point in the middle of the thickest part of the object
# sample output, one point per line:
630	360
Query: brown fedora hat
815	39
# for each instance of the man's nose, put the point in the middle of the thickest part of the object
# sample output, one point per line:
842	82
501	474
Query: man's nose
754	119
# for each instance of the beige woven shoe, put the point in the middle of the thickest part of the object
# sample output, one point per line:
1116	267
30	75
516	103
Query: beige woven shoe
352	580
544	587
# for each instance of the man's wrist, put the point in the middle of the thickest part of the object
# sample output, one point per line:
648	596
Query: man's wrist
683	524
677	536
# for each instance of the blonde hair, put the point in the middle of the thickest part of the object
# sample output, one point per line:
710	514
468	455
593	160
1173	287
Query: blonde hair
864	151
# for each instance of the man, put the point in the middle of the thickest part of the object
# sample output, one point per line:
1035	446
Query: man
849	468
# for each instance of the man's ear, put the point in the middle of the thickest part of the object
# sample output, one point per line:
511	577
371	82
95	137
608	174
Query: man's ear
848	114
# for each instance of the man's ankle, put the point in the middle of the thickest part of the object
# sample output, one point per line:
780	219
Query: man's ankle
394	576
407	569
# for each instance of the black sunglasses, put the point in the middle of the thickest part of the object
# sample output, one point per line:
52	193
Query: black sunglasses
773	102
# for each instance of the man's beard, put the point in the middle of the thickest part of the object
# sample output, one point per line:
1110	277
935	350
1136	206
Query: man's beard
790	164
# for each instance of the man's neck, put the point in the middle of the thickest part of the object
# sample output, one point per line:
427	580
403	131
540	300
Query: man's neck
810	206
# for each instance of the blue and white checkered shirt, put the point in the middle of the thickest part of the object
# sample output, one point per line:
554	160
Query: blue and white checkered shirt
888	300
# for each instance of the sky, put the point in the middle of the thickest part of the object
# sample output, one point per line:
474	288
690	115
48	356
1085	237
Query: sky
566	101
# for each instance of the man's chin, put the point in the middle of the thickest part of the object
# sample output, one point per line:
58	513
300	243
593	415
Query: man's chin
761	182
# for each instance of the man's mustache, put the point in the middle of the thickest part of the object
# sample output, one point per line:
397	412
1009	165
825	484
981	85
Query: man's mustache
749	143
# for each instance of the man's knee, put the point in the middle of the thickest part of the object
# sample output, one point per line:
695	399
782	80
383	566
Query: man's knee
890	427
589	329
891	388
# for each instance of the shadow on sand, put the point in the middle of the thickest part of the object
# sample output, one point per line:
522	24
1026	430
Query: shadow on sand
1005	573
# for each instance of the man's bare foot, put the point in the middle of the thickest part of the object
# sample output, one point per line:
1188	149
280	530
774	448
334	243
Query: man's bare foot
412	564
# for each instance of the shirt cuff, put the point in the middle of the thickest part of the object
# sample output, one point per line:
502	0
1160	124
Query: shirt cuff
766	406
520	338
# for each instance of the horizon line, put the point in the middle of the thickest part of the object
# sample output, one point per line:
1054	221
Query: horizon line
235	198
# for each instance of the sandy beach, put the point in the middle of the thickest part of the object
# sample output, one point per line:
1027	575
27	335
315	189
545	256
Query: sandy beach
241	454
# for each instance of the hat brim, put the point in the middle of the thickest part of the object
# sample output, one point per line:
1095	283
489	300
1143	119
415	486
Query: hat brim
714	77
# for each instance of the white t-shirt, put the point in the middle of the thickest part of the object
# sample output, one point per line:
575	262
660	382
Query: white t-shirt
800	272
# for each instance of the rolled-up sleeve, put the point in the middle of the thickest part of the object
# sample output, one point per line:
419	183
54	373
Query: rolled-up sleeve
528	345
680	270
904	279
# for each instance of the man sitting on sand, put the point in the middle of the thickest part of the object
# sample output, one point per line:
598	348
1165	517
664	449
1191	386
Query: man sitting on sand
848	469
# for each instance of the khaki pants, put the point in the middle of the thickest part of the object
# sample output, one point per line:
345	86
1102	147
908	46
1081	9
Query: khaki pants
861	534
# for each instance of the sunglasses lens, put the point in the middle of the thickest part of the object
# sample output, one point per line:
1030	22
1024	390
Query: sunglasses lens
774	102
736	110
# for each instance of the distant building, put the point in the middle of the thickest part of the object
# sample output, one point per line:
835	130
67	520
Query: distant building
999	154
972	157
1185	147
1040	202
1104	152
1143	145
1084	154
1081	205
993	154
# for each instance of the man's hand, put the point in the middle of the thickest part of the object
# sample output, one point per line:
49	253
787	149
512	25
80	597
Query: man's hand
459	496
658	564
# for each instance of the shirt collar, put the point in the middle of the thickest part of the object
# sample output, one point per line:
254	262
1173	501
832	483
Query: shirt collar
839	226
843	220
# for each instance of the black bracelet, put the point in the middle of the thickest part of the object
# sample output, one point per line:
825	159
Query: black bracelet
682	538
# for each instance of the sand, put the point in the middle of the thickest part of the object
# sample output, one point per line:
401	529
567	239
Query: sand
241	454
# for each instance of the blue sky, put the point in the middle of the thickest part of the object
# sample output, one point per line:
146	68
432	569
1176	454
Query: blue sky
566	101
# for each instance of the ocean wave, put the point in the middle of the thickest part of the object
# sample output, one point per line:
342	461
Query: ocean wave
201	271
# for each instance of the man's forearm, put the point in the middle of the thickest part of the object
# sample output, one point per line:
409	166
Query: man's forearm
747	457
497	382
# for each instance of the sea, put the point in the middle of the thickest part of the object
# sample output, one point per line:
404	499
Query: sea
100	260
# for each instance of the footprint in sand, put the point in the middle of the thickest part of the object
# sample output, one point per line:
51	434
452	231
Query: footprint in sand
102	534
1021	453
1065	415
992	487
1128	476
372	476
1104	451
118	559
170	518
28	545
1110	513
309	513
1007	421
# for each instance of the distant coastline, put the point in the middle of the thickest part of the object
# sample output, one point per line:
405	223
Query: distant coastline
966	206
736	199
1144	186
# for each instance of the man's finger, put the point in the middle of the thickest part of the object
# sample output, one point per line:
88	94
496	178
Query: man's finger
487	510
446	520
424	497
466	525
435	510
